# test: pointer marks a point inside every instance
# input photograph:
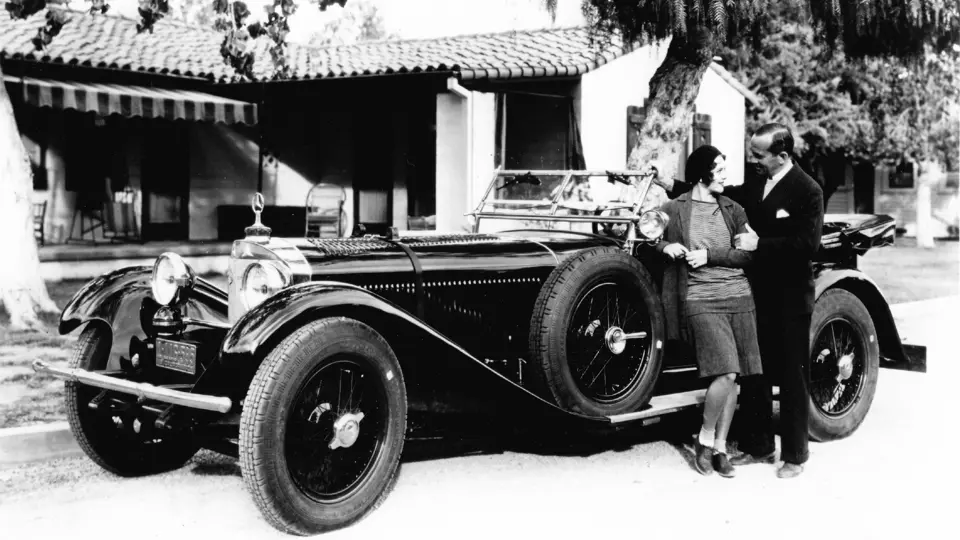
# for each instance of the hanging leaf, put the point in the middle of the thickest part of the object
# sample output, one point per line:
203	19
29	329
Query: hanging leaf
240	13
45	34
222	24
221	7
324	4
287	7
150	12
21	9
99	6
256	30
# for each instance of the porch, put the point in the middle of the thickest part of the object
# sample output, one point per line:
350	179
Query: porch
69	261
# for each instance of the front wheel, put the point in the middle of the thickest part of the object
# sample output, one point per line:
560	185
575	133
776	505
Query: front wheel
111	440
844	365
323	426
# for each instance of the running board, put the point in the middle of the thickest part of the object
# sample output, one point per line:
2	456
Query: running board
661	405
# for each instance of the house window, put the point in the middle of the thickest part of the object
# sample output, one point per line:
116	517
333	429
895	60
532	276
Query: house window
537	131
952	180
903	176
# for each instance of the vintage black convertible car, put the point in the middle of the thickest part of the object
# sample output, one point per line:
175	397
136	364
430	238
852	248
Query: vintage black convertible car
325	355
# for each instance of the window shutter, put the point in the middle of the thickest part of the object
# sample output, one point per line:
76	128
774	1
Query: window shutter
701	130
635	117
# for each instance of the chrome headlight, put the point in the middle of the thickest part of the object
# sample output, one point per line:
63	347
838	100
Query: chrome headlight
652	224
261	281
172	279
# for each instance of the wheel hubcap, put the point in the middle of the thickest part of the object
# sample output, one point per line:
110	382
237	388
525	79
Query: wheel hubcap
616	339
346	430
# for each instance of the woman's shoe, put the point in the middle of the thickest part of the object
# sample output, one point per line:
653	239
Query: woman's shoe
721	464
702	456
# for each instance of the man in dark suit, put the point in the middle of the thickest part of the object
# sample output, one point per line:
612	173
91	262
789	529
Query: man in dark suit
785	208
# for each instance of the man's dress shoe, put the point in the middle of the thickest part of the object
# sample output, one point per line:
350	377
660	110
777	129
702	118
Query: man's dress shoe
789	470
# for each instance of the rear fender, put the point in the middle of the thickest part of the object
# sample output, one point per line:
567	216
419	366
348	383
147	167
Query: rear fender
122	302
440	375
894	354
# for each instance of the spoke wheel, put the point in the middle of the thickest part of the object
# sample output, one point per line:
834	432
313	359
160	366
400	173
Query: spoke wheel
322	427
596	334
844	365
837	371
336	429
605	366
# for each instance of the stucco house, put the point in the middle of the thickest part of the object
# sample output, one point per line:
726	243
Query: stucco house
410	130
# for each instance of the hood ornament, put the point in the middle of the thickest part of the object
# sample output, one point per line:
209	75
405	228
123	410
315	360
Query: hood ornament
258	232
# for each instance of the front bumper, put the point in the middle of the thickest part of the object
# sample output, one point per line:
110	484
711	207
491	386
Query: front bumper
142	390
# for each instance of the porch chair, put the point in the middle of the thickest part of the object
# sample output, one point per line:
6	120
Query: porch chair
39	215
120	218
324	211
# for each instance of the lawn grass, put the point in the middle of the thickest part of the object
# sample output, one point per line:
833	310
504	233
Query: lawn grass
26	397
904	272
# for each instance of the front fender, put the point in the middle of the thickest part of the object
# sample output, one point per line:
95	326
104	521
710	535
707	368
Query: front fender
440	375
121	299
893	353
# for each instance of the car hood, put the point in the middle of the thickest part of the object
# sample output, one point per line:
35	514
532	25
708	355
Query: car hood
350	258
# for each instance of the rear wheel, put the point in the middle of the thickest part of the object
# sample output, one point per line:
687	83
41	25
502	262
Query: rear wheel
322	427
844	365
596	333
111	440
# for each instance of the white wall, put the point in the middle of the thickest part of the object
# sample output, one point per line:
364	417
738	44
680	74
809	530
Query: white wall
451	169
605	94
459	182
727	109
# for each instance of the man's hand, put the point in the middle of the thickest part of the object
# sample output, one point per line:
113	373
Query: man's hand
675	251
653	168
697	258
746	241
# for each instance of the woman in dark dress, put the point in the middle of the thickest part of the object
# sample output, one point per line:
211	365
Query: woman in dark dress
707	298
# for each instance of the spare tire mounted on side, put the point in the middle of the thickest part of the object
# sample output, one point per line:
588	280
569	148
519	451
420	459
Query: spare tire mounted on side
596	333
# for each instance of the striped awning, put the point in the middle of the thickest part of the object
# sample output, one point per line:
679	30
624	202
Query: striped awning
134	101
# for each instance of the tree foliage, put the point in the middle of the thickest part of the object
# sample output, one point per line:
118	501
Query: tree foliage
861	28
863	108
356	22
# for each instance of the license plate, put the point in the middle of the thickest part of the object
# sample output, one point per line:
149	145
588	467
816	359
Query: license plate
177	356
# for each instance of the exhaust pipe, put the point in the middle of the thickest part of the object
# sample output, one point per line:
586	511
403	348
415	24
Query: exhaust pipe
141	390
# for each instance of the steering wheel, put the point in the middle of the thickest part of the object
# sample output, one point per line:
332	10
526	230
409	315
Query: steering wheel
613	230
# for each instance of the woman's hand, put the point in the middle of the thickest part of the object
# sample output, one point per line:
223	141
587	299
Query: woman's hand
675	251
696	258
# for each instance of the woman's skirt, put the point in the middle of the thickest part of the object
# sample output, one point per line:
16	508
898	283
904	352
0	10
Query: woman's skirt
725	343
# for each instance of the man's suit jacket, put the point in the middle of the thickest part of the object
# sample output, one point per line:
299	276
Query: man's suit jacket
789	222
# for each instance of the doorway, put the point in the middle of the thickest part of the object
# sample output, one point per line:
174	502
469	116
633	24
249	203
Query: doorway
165	181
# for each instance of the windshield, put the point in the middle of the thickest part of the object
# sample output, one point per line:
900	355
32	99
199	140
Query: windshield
550	199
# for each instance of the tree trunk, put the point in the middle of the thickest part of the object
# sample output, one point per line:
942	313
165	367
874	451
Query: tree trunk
22	291
669	108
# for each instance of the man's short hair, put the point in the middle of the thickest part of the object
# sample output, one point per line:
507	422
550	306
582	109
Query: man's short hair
780	136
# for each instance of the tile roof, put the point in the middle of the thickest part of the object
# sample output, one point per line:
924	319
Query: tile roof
180	50
113	42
